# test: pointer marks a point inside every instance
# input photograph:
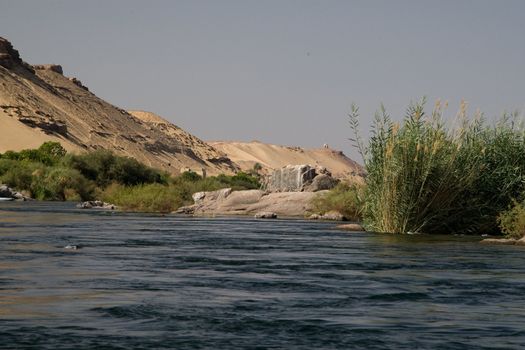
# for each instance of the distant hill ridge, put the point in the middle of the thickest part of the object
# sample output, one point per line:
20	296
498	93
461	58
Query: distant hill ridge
247	154
38	103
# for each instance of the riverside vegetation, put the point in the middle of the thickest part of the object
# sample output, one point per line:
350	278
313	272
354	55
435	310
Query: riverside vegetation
423	176
49	173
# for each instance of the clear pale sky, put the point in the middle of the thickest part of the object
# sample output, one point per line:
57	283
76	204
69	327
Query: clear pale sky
281	71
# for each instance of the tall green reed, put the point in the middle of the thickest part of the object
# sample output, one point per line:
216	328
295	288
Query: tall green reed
425	177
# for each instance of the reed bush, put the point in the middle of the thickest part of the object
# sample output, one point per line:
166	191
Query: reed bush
425	177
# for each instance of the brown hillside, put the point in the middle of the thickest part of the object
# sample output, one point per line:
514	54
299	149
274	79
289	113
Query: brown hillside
246	154
39	103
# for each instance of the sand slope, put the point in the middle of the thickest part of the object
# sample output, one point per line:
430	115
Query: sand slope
246	154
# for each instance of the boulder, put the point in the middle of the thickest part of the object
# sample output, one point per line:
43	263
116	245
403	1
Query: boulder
7	192
284	203
52	67
291	178
9	57
198	197
265	215
249	202
217	195
322	182
299	178
351	227
186	210
96	205
332	215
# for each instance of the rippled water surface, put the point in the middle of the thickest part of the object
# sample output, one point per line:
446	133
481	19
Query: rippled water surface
154	282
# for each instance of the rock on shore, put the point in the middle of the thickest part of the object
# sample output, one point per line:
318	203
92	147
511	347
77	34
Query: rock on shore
96	205
504	241
249	202
7	192
299	178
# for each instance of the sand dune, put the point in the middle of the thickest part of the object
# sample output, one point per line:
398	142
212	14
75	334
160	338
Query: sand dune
247	154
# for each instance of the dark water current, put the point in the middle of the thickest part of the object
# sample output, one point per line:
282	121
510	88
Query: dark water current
152	282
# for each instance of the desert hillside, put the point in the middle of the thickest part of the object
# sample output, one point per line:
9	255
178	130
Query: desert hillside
247	154
38	103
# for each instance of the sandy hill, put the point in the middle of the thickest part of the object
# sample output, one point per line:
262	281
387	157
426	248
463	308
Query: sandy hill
247	154
38	103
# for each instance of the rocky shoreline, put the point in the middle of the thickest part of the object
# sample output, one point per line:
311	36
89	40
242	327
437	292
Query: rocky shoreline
8	193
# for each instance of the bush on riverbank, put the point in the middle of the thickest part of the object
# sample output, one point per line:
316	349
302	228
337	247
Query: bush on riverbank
512	221
145	198
49	173
103	167
178	192
425	177
344	198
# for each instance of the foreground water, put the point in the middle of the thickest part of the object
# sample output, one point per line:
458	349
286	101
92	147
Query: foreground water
153	282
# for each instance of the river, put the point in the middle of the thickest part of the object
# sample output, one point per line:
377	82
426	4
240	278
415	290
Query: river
166	282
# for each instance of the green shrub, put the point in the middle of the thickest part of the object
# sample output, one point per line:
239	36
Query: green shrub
190	176
239	181
424	177
49	153
512	221
59	183
104	168
19	175
145	198
344	198
48	173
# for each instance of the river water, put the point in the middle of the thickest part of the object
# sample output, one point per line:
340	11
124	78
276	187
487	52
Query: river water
167	282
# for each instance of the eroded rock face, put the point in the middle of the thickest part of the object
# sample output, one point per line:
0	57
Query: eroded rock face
52	67
322	182
298	178
36	119
291	178
9	57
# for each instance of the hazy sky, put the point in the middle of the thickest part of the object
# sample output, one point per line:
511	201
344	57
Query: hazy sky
282	72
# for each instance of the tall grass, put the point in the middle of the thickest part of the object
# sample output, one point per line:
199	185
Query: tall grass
145	198
425	177
177	192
